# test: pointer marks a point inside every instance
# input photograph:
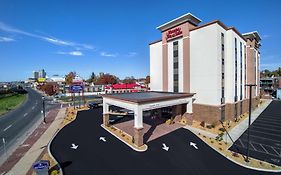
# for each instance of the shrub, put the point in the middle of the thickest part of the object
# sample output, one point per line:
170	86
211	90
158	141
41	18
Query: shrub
221	129
202	124
235	154
55	172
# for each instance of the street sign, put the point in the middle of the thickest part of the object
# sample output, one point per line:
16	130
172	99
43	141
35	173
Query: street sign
76	88
41	165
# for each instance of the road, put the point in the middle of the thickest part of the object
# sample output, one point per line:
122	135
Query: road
16	123
111	156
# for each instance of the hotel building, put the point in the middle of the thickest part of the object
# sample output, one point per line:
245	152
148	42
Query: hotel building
211	60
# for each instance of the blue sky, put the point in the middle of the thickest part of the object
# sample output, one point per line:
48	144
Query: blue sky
113	36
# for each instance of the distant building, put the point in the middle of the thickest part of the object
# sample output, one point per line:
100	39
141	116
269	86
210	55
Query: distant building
269	84
123	88
42	74
35	75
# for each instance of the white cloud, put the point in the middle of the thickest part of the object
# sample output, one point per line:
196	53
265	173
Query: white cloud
265	36
78	46
73	53
6	39
105	54
131	54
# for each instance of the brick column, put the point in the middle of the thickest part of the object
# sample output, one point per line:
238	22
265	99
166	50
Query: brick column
106	119
138	136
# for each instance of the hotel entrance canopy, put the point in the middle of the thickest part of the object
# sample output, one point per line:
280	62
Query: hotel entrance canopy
144	101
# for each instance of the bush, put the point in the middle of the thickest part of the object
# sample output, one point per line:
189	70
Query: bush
55	172
235	154
222	129
202	124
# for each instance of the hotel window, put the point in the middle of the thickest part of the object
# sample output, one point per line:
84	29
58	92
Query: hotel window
241	60
235	96
176	65
222	71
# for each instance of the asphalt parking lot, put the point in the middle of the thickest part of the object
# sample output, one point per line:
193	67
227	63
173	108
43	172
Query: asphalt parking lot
265	136
111	156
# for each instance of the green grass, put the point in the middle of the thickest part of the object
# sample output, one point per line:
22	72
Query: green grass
10	101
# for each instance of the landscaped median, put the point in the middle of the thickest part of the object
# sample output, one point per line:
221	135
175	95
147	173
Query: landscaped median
125	138
10	101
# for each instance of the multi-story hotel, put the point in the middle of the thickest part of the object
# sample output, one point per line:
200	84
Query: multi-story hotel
212	60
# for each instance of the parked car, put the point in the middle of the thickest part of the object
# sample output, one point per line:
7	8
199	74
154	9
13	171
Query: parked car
93	105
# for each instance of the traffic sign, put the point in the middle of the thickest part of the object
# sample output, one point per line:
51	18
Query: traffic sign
41	165
76	88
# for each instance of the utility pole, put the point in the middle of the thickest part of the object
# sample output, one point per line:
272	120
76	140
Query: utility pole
43	109
249	123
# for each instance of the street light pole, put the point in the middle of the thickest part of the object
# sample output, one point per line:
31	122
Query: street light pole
43	107
249	123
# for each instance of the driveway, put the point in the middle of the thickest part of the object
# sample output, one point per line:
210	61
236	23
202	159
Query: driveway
265	136
94	156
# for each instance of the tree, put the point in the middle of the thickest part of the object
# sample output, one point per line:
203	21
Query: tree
104	79
147	79
69	78
129	80
93	78
50	88
268	73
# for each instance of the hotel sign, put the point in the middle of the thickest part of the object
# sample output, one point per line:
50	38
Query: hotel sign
173	33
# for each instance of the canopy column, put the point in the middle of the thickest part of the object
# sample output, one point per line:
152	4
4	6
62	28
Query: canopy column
105	114
138	126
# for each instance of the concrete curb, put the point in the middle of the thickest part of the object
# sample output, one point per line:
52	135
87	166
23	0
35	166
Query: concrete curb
50	153
203	132
238	163
138	150
239	129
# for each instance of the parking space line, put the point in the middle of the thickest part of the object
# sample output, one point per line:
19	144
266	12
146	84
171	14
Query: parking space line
241	143
266	128
266	139
253	146
266	133
259	151
257	143
263	124
264	149
275	151
270	120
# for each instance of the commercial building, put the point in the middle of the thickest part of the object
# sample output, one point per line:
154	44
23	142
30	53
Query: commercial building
269	84
211	60
121	88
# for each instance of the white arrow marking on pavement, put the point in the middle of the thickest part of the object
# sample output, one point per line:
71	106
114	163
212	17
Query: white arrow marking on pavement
41	112
25	114
33	107
74	146
103	139
68	104
61	106
165	147
194	145
7	127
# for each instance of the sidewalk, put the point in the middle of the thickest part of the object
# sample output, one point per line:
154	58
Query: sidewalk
238	130
26	154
